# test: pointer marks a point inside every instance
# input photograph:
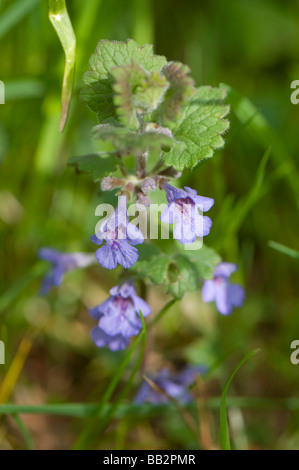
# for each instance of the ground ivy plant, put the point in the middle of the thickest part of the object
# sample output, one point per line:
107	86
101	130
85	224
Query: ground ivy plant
149	111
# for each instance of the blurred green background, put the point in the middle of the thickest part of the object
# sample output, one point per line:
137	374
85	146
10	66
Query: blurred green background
251	45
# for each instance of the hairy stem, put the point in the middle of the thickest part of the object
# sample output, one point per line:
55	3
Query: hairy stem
141	165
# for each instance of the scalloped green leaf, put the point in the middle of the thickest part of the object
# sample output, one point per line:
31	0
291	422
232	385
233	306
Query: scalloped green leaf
96	165
98	93
200	126
179	273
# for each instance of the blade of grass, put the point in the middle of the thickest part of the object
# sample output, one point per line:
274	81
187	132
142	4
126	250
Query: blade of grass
243	207
61	22
284	249
114	407
249	115
87	410
16	367
224	432
84	436
25	432
14	14
162	312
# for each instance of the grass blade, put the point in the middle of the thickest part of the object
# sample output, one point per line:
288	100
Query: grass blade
224	432
87	410
114	407
162	312
247	203
249	115
25	432
84	436
16	367
284	249
61	22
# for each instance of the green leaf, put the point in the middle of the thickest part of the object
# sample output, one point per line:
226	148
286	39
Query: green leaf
96	165
180	91
128	142
154	269
181	277
179	273
200	127
98	94
137	92
224	432
205	261
148	251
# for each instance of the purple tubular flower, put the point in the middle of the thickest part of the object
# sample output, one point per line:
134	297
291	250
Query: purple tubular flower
175	385
101	339
119	317
119	236
62	262
183	208
226	295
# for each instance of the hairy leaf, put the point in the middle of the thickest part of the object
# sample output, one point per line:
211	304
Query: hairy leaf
179	273
181	277
200	127
180	91
137	92
96	165
98	94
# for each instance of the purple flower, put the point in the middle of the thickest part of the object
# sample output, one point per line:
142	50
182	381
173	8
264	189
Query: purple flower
175	385
101	339
226	295
119	317
119	236
183	209
62	262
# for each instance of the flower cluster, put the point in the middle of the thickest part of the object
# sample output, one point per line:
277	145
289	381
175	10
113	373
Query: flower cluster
167	385
118	317
133	110
119	235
